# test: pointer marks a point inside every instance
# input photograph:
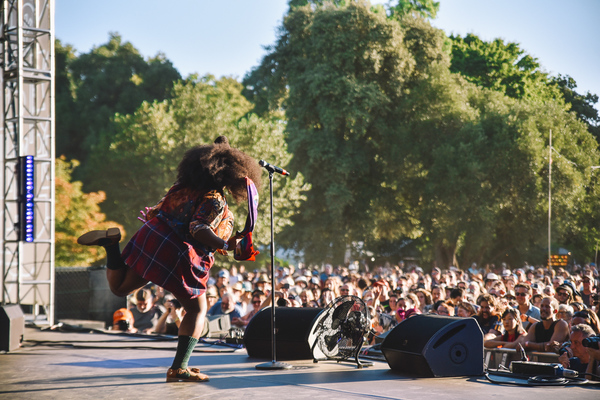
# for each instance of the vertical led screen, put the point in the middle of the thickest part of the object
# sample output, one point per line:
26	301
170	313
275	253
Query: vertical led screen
26	206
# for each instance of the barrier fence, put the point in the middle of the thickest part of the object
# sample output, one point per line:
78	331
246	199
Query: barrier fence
82	293
501	358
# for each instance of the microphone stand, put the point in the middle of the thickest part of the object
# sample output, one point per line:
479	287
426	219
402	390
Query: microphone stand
273	365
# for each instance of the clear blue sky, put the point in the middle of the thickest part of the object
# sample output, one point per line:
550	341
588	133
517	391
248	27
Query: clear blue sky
227	37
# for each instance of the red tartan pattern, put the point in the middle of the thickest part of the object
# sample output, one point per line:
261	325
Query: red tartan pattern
157	254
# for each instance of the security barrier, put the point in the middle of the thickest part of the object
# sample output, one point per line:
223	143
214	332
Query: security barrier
501	358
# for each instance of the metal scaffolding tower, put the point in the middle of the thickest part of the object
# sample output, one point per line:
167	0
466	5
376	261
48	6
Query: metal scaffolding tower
27	240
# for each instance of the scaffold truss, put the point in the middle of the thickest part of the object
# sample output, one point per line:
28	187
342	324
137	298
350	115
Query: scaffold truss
27	60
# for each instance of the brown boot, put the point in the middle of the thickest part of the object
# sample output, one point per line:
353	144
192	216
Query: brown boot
100	238
186	375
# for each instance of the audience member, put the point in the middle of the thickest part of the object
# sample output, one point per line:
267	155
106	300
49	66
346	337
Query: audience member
212	296
222	281
565	312
576	356
536	300
437	293
424	299
446	308
169	322
564	294
587	317
257	301
123	321
145	313
487	317
466	310
306	297
512	327
548	334
226	306
530	314
587	290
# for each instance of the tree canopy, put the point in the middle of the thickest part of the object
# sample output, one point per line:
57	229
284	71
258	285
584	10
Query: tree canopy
137	164
394	134
396	145
92	87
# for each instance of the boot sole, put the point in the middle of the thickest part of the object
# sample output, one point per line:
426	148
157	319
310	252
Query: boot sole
187	380
92	238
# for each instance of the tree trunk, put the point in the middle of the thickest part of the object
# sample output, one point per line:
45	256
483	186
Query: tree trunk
445	256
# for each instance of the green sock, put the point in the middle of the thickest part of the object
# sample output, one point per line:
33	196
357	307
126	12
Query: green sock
185	346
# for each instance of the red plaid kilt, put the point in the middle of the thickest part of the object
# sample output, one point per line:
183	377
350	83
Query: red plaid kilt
159	255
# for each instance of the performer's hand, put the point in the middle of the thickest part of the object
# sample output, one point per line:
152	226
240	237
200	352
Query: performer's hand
144	212
233	242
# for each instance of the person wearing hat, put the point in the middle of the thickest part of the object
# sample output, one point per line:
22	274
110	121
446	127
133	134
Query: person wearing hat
222	281
564	294
242	297
123	321
263	283
176	245
301	283
490	279
314	285
473	269
212	296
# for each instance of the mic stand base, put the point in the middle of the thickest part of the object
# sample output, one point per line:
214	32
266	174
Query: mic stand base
273	365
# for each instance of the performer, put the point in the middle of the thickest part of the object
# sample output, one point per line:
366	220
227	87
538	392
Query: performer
175	247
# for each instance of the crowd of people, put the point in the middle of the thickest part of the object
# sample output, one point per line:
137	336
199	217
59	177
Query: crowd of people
531	307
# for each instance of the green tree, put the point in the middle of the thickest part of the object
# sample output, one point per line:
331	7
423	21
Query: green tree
112	78
66	116
395	145
484	182
76	212
503	67
507	68
137	164
337	73
581	105
423	8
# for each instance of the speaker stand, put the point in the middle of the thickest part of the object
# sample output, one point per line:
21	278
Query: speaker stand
273	365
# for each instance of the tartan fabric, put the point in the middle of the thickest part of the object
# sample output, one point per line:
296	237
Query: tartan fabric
159	255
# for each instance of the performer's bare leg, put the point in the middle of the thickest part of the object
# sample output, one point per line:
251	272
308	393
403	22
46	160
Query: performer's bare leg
193	320
189	333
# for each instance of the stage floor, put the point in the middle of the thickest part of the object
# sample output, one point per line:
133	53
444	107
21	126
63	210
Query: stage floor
59	365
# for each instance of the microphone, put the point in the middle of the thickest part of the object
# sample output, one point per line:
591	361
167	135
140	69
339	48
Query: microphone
273	168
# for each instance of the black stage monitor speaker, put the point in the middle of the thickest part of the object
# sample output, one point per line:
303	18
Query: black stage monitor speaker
292	326
435	346
12	327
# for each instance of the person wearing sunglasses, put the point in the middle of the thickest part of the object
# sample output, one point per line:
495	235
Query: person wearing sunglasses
257	305
564	294
529	313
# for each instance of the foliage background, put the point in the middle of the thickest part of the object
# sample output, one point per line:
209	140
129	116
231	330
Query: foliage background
404	141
